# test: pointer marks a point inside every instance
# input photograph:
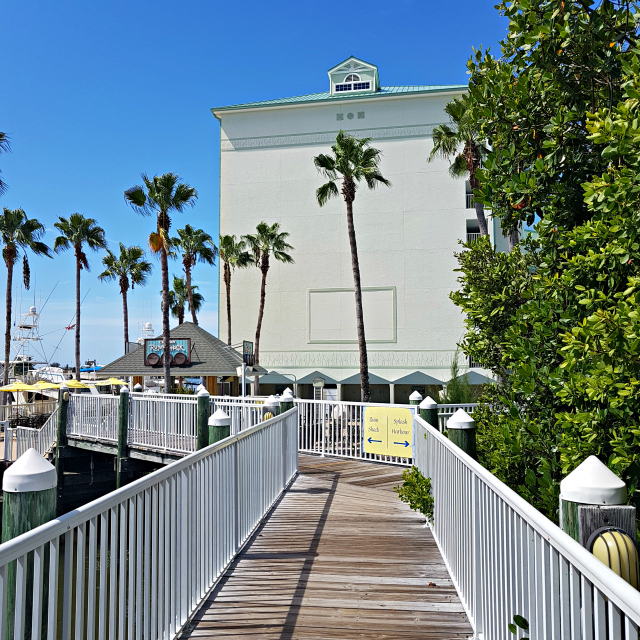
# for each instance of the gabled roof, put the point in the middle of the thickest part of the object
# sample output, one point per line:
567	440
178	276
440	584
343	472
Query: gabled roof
209	357
348	61
327	97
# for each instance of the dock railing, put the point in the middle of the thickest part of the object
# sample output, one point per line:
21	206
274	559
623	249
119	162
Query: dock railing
93	417
506	558
138	562
18	439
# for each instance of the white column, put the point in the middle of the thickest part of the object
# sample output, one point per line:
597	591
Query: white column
339	386
392	393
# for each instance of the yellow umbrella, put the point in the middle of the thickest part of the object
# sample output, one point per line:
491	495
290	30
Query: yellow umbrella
75	384
18	386
109	381
45	384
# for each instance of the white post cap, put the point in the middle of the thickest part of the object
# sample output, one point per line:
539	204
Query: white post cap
286	396
200	387
271	401
30	472
460	420
593	483
415	396
219	419
137	387
428	403
287	390
202	391
124	389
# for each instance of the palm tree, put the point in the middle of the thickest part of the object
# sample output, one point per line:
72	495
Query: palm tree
233	255
129	269
5	147
163	195
179	296
461	141
266	242
352	160
78	231
18	232
196	246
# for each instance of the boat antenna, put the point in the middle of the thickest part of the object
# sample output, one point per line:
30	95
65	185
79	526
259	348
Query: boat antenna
47	300
73	317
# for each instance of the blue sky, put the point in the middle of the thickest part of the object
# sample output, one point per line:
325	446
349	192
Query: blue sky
96	93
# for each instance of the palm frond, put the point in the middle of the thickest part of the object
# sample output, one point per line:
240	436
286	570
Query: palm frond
326	192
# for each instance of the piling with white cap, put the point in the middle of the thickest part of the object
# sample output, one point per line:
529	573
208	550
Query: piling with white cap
461	430
286	400
219	426
593	497
415	398
61	437
122	462
271	407
29	488
429	411
203	417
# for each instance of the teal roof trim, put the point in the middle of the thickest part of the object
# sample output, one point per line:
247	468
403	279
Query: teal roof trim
327	97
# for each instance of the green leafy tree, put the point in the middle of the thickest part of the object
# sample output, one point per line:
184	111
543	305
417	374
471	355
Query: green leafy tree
233	255
352	160
267	242
129	269
161	196
179	297
76	233
195	246
458	390
461	142
546	162
18	233
5	147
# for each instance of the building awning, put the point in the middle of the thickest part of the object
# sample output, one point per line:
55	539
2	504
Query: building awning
273	377
308	379
373	379
475	378
418	378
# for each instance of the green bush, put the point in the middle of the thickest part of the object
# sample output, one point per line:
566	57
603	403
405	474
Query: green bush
416	492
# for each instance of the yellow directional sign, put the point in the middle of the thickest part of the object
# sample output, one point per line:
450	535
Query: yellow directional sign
388	432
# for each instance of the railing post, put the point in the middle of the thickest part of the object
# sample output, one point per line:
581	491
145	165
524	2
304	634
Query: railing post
29	500
429	412
203	418
476	598
123	436
462	432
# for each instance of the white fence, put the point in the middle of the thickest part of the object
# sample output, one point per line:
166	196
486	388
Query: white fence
26	409
161	422
336	429
18	439
93	417
506	558
244	412
138	562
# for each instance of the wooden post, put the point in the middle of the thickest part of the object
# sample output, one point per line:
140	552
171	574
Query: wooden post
123	437
461	430
61	440
203	418
29	500
219	426
286	401
593	497
429	412
415	398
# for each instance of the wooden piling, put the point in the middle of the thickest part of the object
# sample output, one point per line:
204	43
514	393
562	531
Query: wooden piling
461	430
123	434
203	418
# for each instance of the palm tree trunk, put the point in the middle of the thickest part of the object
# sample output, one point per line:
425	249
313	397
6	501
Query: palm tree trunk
263	294
78	267
227	282
125	313
166	364
190	295
482	220
513	238
362	344
7	331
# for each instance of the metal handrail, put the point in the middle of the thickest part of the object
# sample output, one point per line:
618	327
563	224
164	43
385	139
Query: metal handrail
506	558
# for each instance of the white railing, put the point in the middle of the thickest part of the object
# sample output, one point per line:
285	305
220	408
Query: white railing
445	411
244	414
334	428
138	562
164	422
27	409
18	439
93	417
506	558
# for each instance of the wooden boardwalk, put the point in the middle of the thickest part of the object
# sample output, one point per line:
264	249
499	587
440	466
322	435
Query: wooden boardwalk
339	557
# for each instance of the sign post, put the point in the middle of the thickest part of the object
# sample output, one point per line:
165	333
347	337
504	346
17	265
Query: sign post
247	359
388	431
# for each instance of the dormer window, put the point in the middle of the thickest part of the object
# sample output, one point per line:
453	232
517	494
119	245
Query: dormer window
353	82
352	77
353	74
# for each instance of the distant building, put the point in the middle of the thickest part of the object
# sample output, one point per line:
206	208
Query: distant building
406	234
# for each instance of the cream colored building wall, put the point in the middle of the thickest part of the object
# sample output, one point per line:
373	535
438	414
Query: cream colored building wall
406	235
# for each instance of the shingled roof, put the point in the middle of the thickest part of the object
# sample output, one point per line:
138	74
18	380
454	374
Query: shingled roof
209	357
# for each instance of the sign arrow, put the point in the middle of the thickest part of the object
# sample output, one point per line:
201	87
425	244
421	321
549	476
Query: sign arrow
404	444
370	441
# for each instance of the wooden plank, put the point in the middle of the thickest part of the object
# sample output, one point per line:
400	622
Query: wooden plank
339	558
